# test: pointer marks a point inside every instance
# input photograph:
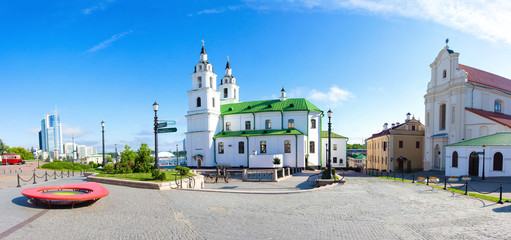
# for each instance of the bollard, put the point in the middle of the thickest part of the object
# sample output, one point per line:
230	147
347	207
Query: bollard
19	185
61	174
413	178
34	178
46	176
500	200
394	176
445	183
403	179
466	187
387	174
67	173
427	181
54	174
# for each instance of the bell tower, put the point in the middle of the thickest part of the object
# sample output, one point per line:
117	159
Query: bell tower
229	91
203	116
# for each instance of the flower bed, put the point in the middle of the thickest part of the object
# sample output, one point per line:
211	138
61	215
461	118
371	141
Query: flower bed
453	179
434	180
421	179
466	178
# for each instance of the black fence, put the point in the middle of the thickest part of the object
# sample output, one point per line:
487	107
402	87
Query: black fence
432	180
54	175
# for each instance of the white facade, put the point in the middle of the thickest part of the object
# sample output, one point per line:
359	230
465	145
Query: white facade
464	153
339	157
455	92
235	136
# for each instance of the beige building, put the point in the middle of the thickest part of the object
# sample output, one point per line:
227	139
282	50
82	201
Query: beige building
398	147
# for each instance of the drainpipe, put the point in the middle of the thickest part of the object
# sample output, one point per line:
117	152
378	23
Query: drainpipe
296	151
214	150
223	124
473	88
248	149
253	114
282	120
346	151
307	143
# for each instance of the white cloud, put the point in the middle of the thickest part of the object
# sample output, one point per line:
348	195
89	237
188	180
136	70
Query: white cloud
108	42
482	18
100	6
334	97
217	10
70	131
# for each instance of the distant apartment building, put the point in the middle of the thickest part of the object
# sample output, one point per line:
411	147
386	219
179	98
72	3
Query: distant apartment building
50	136
398	147
77	151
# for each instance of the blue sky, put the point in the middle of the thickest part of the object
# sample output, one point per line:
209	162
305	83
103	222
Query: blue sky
109	61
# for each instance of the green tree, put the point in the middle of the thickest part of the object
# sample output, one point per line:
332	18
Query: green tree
128	155
108	158
144	159
3	147
22	152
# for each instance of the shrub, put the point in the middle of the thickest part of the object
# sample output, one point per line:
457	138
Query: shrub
123	167
142	167
59	165
183	170
109	168
276	161
158	175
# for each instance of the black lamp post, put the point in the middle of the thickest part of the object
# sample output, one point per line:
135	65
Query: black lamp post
484	149
177	155
103	138
329	155
155	108
116	154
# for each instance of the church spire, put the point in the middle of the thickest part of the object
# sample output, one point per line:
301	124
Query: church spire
203	54
228	70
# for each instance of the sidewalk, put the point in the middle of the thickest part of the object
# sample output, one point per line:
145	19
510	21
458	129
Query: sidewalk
296	183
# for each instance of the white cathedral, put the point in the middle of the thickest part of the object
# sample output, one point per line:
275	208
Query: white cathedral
468	112
221	130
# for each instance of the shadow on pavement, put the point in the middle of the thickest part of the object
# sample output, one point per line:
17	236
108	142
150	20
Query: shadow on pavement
23	202
503	209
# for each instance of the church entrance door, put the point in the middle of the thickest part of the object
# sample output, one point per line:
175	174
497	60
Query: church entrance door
436	163
199	163
473	164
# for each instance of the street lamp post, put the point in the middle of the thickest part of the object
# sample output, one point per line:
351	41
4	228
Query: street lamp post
103	141
484	149
116	154
155	108
329	155
177	155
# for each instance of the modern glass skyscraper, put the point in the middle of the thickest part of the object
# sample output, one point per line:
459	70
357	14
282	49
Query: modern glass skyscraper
50	136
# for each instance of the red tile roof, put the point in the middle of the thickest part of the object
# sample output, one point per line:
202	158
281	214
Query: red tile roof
496	117
487	79
385	132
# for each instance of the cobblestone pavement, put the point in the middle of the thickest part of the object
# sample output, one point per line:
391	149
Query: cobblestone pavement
362	208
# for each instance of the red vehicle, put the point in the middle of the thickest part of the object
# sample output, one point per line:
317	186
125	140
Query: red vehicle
12	159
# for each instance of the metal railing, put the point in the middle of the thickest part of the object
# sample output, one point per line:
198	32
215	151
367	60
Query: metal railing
45	176
433	180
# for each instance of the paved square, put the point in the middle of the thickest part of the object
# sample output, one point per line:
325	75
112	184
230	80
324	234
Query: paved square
363	208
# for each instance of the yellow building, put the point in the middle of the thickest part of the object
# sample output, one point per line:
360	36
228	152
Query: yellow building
398	147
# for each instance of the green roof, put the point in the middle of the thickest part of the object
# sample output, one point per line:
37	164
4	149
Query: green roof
360	156
294	104
498	139
252	133
324	134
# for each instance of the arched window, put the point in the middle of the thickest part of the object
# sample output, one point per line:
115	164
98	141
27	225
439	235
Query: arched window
267	124
444	74
220	148
455	159
262	146
198	102
199	82
213	101
225	93
442	116
287	146
291	123
497	161
313	123
234	93
241	147
311	147
211	82
200	67
498	106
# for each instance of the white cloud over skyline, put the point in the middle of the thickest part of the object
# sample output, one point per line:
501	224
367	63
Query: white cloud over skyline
332	98
108	42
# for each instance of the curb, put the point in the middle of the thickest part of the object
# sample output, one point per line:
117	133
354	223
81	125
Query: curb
265	192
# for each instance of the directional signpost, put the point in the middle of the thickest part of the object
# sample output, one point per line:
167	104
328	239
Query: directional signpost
163	124
167	130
